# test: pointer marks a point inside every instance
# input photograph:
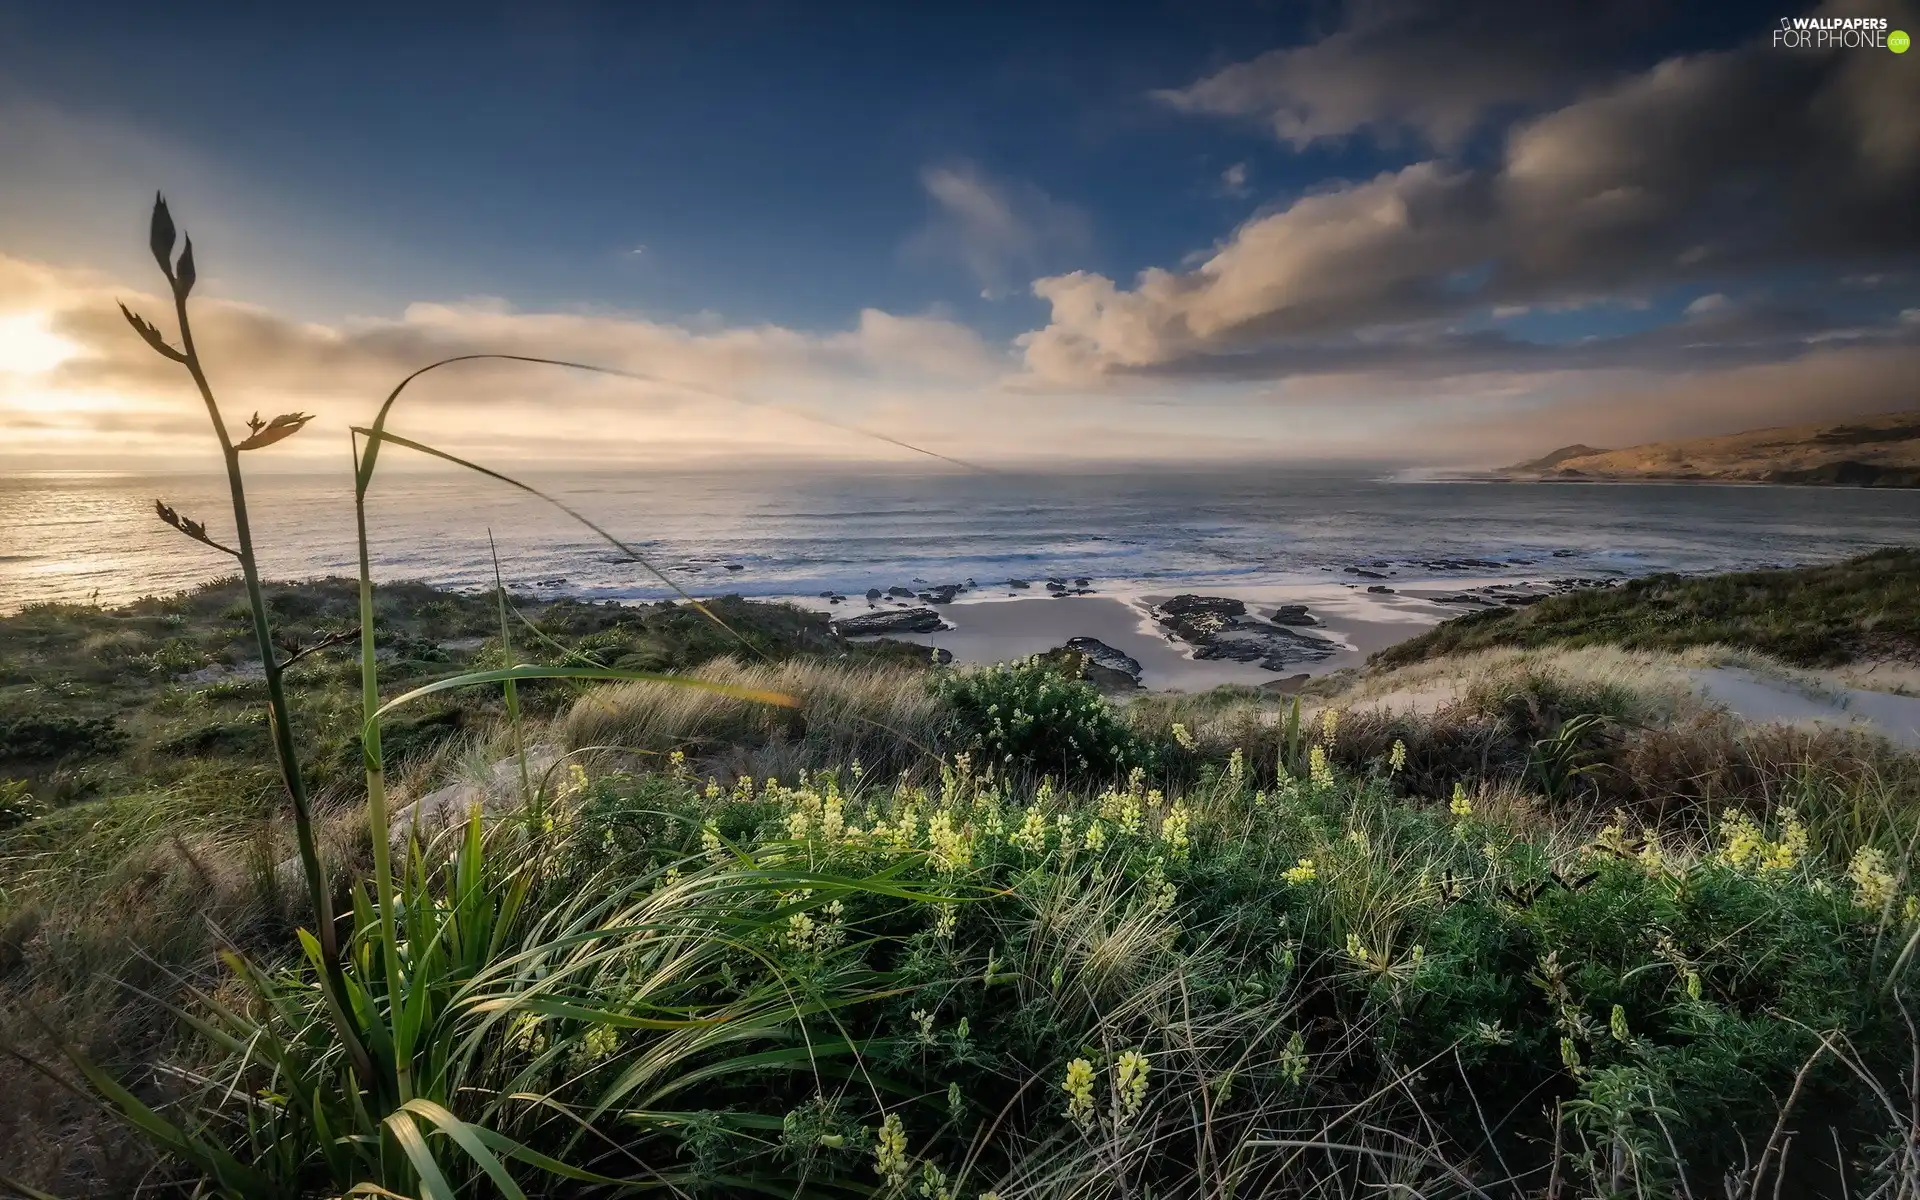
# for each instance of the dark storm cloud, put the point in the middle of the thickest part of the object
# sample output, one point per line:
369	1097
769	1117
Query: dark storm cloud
1722	167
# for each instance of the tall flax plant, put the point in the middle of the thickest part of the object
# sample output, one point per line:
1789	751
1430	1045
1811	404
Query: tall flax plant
181	274
392	997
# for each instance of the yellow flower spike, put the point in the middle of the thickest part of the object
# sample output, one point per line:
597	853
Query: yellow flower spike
1129	1086
1032	834
1651	856
1183	737
1693	986
1329	726
1293	1060
1096	835
1397	757
1569	1055
1356	950
890	1151
1460	806
1173	831
1304	873
933	1183
1319	771
1617	1024
1078	1085
1873	883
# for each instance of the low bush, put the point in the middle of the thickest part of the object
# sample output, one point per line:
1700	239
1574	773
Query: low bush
54	735
1028	716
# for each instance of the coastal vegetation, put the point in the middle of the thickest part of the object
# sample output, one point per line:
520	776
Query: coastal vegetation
699	899
1865	608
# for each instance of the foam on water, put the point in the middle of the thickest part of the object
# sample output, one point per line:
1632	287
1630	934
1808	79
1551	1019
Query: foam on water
71	536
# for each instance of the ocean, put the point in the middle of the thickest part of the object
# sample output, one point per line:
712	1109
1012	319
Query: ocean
67	536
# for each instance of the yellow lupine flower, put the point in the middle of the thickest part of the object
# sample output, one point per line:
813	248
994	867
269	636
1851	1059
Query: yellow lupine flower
1305	872
1293	1060
1096	835
1873	883
1318	770
1032	834
1397	757
1181	736
1129	1086
1078	1085
1460	806
1173	831
890	1151
1791	849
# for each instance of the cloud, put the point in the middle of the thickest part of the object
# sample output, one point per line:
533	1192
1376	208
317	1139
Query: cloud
1722	166
1233	181
1401	67
999	231
262	360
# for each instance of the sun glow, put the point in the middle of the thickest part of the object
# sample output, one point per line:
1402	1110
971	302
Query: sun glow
28	347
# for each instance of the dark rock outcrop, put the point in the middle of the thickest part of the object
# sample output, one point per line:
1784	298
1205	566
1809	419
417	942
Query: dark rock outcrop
1100	654
905	620
1292	614
903	593
1218	627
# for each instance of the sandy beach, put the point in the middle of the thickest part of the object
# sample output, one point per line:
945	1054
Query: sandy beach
987	629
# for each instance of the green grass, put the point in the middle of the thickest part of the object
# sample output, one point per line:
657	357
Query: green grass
97	703
1866	607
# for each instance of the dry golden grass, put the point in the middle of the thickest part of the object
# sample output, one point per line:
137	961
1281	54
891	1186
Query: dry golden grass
883	717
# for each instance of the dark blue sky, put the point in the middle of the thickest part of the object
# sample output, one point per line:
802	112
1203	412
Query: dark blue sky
768	156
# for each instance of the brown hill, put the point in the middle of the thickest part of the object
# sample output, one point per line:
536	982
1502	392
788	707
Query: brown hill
1879	451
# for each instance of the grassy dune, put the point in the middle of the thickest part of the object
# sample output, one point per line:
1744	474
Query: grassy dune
1863	609
1565	924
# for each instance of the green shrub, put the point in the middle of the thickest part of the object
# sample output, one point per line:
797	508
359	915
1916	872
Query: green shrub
1027	715
51	735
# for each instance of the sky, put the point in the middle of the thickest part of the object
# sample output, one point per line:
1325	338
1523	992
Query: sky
1451	233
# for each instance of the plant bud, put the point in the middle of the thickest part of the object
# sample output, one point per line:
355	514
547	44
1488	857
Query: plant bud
185	275
160	235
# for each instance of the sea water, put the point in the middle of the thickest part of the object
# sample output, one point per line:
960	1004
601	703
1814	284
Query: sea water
67	536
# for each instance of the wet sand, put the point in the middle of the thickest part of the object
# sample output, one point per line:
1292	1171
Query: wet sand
988	630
